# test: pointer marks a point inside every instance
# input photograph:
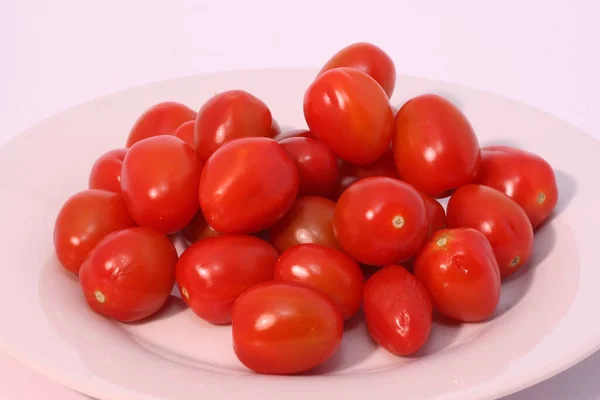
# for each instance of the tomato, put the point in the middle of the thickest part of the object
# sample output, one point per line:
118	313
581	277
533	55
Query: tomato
380	221
435	147
310	220
436	216
325	269
398	310
317	166
348	111
85	219
160	119
460	272
231	115
186	133
525	177
285	328
500	219
106	171
369	59
275	129
130	274
247	185
350	173
159	181
198	229
294	133
213	273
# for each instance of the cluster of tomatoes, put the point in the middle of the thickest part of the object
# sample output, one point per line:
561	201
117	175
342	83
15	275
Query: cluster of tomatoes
283	228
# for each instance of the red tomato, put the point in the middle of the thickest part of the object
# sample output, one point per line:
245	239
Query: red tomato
285	328
213	273
369	59
525	177
231	115
348	111
460	272
435	147
380	221
186	133
198	229
499	218
350	173
160	119
130	274
317	166
106	172
275	129
247	185
310	220
159	181
325	269
436	216
85	219
293	134
398	310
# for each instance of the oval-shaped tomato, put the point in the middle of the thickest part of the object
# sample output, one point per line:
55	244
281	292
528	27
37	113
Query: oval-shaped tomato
285	328
106	171
247	185
198	229
160	119
293	134
380	221
435	147
348	111
350	173
398	310
525	177
130	274
460	272
85	219
186	133
499	218
436	216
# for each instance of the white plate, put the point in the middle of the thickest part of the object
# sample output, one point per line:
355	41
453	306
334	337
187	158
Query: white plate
547	320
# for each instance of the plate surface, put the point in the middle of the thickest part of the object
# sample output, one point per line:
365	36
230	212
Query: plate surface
545	323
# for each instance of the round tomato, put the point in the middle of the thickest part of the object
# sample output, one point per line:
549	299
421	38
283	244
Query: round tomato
186	133
350	173
85	219
198	229
106	172
160	119
285	328
435	147
348	111
436	216
247	185
293	134
130	274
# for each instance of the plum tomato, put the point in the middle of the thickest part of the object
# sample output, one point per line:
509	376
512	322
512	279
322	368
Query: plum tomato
294	133
160	119
436	216
186	133
106	171
350	173
198	229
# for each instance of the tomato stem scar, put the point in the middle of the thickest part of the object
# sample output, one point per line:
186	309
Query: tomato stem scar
185	293
398	221
441	242
541	198
515	262
100	297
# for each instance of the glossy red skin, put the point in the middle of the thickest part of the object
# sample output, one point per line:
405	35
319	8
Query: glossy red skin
436	216
247	185
398	310
231	115
106	171
160	119
186	133
198	229
348	111
325	269
310	220
295	133
369	59
213	273
299	328
130	274
350	173
435	147
525	177
366	221
85	219
499	218
459	269
317	166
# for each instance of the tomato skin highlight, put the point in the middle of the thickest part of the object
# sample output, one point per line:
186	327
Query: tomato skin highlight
160	119
293	134
106	171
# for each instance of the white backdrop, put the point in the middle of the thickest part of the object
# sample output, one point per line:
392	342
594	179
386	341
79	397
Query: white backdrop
58	53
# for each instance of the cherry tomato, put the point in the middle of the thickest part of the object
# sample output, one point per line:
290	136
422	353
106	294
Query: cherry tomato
317	166
285	328
350	173
85	219
348	111
398	310
435	147
247	185
525	177
369	59
160	119
436	216
130	274
460	272
231	115
198	229
159	181
275	129
213	273
310	220
106	172
295	133
186	133
325	269
380	221
500	219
